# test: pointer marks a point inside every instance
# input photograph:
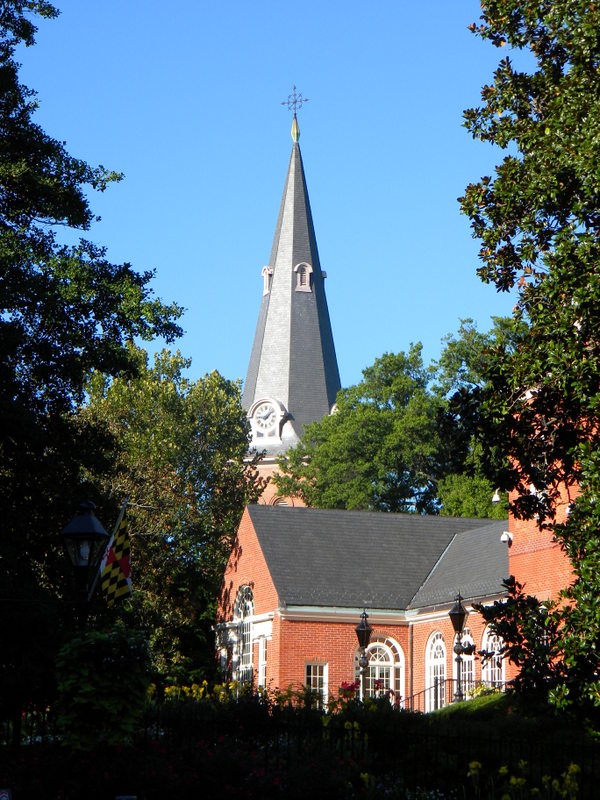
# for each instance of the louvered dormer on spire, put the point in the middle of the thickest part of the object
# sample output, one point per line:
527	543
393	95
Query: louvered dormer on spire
293	376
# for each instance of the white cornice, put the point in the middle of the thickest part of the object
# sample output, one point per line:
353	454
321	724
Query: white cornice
336	614
437	612
379	616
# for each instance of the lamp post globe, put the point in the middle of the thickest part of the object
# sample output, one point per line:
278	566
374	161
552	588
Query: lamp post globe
84	540
458	615
363	631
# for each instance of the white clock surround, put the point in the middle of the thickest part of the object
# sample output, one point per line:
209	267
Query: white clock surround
266	420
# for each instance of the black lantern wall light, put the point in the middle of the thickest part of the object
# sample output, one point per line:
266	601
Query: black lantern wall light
363	634
84	540
458	615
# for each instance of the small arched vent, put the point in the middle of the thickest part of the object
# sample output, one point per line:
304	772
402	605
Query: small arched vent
303	277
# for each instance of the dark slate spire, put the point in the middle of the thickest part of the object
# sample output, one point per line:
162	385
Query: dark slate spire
293	362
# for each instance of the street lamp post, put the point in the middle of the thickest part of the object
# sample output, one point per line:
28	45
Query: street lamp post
363	634
84	540
458	615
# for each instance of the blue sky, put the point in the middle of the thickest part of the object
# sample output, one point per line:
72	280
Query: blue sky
186	102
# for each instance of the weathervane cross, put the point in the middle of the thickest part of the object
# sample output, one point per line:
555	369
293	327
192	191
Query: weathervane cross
294	100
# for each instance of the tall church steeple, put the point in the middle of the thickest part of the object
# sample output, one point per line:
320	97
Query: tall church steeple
293	376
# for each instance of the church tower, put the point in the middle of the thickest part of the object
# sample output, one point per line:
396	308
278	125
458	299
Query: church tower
293	376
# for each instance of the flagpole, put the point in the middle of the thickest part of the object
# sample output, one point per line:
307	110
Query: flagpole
108	546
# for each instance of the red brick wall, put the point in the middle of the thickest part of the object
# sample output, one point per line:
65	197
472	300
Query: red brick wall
535	559
246	567
331	643
269	496
299	642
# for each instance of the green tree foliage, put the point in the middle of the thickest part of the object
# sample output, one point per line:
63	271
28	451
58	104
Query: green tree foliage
530	630
460	376
179	450
380	450
469	495
538	220
462	365
63	311
402	439
102	684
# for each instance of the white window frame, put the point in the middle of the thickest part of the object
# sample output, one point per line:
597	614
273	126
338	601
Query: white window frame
388	668
467	676
262	662
492	671
316	678
435	668
243	613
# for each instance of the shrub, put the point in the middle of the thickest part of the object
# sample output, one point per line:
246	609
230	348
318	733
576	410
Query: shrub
102	685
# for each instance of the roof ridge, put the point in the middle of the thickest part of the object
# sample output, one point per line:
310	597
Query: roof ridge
481	522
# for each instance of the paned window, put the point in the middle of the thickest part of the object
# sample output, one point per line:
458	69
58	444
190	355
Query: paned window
244	610
467	675
436	673
316	680
492	671
385	673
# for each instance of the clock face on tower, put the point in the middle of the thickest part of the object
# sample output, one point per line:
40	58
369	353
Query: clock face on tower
265	417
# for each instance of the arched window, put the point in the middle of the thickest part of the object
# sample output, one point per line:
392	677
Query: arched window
435	670
385	673
243	612
467	675
303	280
492	670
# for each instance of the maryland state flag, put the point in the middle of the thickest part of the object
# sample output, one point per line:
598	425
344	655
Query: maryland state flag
115	569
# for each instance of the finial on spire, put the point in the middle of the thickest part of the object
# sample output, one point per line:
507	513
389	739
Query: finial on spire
294	103
295	130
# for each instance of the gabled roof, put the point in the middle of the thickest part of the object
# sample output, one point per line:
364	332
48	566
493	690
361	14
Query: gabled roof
293	356
351	559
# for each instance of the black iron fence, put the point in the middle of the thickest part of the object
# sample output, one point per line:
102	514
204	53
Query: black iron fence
393	747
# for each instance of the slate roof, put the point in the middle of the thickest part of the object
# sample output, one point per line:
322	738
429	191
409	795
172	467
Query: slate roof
351	559
293	356
474	564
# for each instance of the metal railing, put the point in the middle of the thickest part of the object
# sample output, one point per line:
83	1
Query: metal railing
442	694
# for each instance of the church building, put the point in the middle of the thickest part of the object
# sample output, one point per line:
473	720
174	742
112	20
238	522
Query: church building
299	578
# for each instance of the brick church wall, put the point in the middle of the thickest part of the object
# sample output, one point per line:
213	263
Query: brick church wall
269	496
246	567
535	559
331	643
